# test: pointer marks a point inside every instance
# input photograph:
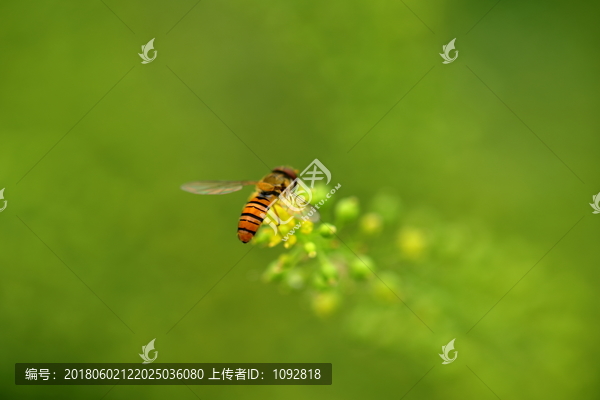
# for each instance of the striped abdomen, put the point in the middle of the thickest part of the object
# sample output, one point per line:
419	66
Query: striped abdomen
252	217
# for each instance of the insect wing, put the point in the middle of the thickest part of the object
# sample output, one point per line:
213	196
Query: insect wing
307	212
296	196
215	187
296	201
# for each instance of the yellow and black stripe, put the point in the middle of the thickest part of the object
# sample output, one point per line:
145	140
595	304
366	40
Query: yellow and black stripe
252	216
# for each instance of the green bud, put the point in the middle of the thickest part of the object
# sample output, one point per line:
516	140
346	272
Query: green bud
362	268
329	271
347	209
327	230
311	249
319	192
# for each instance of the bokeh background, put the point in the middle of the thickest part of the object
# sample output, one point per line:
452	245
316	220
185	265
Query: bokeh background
239	86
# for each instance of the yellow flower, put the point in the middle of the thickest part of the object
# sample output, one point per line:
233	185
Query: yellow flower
307	227
281	212
274	240
325	304
290	242
283	229
371	223
412	242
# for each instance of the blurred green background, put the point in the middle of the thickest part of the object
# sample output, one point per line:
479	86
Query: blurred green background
295	81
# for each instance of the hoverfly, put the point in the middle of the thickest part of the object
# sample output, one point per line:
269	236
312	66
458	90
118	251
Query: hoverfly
281	183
